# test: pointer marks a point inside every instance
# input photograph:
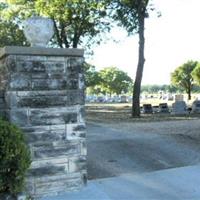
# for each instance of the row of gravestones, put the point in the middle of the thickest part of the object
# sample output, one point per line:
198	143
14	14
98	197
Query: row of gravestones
178	108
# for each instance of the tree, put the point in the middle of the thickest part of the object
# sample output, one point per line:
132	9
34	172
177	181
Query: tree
196	74
92	77
76	22
114	81
182	76
131	15
10	34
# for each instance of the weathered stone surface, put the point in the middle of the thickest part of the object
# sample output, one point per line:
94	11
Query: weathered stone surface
58	161
52	185
77	164
2	93
41	52
20	81
44	96
83	148
179	108
48	136
19	117
42	101
196	106
75	97
55	149
76	131
52	116
48	84
47	171
44	188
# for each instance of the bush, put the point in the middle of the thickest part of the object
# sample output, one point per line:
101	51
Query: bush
14	159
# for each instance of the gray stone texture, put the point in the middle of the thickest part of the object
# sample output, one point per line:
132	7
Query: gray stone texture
196	106
42	91
179	108
2	105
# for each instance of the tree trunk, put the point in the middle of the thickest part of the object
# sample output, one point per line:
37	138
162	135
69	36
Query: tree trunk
189	93
57	34
140	66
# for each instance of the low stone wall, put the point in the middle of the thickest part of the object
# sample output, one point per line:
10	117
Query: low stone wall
44	94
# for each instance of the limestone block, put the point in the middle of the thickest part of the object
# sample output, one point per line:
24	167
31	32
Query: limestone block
55	185
55	149
75	131
2	100
19	117
77	164
81	82
48	84
20	81
58	161
75	97
42	101
53	116
48	136
83	148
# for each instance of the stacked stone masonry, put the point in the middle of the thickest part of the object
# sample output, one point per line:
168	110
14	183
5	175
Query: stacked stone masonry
44	96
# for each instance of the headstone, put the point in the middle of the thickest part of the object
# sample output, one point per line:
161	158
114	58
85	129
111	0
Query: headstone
196	106
147	109
179	97
155	109
179	108
123	99
44	96
163	108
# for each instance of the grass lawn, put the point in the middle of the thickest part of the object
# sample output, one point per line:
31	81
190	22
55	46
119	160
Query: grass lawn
121	112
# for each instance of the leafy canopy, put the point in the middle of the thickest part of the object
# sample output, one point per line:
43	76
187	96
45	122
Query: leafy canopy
10	34
76	22
92	77
182	76
128	12
196	74
114	80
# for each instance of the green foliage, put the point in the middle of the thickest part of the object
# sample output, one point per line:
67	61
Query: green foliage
182	76
92	77
10	34
196	74
14	158
114	80
76	22
127	13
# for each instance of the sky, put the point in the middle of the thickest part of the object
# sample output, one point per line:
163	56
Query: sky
170	41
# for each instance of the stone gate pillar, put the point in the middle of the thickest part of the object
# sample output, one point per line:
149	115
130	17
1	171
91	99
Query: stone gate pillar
44	96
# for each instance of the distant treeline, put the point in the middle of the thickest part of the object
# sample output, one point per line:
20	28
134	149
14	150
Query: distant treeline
166	88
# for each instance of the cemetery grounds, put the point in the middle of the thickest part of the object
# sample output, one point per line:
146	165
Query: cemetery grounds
118	116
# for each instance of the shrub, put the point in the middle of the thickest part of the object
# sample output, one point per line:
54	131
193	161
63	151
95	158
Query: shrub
14	158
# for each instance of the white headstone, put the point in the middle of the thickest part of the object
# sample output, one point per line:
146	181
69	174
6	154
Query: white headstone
179	97
179	108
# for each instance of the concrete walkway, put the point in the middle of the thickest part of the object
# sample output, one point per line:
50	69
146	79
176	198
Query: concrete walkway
172	184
